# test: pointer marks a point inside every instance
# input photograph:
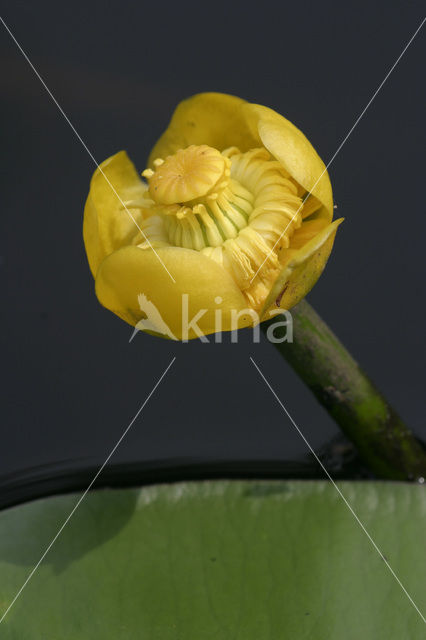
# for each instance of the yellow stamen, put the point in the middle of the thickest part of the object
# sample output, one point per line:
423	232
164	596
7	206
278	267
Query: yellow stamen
148	173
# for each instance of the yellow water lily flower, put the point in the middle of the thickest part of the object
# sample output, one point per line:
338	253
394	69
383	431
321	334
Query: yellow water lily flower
234	217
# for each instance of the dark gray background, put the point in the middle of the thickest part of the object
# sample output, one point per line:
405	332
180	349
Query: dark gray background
71	382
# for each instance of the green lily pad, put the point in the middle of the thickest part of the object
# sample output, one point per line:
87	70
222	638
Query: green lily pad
218	561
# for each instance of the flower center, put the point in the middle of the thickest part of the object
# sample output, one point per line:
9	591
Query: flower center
201	205
187	175
239	209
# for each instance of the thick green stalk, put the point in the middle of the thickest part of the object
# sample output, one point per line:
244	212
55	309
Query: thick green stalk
384	442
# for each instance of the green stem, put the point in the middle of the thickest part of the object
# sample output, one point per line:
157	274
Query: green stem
384	442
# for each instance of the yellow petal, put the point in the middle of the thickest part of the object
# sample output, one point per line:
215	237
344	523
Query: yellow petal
131	272
215	119
303	268
220	121
307	231
310	206
291	147
107	225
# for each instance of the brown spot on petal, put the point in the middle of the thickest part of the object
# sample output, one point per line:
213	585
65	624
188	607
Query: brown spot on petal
278	300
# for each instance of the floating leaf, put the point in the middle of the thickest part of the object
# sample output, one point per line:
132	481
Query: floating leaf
217	561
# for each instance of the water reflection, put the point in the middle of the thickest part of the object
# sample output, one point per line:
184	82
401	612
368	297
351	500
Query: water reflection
338	456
